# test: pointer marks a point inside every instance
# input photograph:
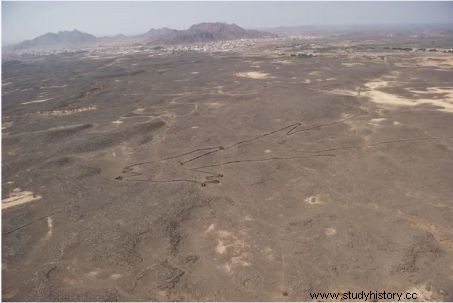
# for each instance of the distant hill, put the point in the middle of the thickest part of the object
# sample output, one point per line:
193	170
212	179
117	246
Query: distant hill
207	32
154	34
61	39
375	29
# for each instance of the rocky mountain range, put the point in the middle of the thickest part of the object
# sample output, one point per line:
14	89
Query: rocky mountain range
206	32
203	32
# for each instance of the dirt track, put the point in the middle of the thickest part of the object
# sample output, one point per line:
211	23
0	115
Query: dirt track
224	177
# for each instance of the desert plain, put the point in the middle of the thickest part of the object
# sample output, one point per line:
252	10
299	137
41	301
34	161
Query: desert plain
254	174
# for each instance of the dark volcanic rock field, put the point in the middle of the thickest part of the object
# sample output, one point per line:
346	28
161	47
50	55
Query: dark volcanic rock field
225	177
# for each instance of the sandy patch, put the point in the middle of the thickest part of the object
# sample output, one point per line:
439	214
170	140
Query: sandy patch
313	200
6	125
50	228
351	64
330	232
210	228
115	276
36	101
220	248
343	92
67	112
283	62
253	75
231	249
247	218
93	274
138	111
376	95
215	105
18	197
376	121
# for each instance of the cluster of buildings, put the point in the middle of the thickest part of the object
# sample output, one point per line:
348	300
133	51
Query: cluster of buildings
115	50
219	46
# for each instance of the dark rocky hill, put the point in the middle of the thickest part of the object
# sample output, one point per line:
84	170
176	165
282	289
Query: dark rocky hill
207	32
61	39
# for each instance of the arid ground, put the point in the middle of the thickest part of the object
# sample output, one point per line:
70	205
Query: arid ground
227	176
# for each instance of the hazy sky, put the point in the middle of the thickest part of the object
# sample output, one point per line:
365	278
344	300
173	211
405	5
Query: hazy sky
26	20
